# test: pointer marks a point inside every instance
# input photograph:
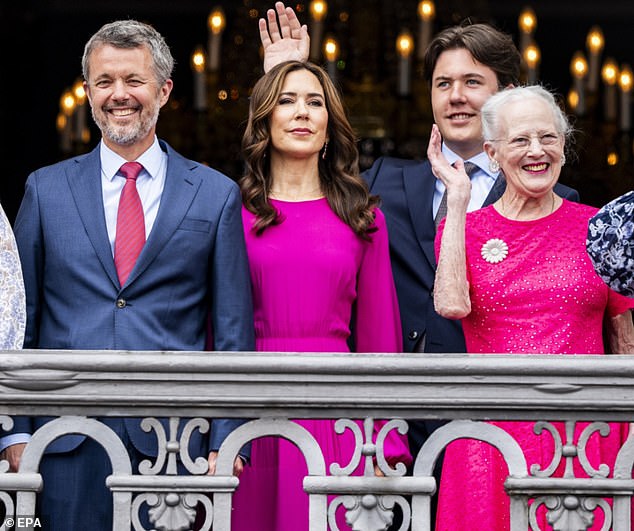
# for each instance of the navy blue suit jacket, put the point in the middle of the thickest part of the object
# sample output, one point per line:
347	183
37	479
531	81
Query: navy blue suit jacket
406	188
193	264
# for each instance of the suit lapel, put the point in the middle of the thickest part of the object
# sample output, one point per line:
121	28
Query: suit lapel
181	186
496	192
419	184
84	181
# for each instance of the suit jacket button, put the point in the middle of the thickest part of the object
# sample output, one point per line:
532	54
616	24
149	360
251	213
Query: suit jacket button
413	334
121	303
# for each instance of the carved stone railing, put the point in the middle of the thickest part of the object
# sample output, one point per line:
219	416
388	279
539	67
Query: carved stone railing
274	387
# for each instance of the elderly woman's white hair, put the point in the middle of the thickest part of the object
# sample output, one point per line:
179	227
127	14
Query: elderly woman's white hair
494	108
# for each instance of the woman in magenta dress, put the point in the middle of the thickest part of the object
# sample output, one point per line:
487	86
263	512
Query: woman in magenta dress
518	276
319	259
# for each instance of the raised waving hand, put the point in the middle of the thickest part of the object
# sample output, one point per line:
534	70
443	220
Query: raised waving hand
283	37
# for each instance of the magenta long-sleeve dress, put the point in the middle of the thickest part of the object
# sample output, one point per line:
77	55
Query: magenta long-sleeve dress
308	273
543	298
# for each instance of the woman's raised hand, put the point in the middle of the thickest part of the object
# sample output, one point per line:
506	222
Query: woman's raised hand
283	37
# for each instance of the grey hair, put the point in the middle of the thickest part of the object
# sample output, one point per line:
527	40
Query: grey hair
132	34
494	107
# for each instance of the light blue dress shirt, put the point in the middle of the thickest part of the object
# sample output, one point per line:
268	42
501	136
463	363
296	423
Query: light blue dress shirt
150	184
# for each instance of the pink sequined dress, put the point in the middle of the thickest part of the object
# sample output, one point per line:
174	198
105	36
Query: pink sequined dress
308	273
544	297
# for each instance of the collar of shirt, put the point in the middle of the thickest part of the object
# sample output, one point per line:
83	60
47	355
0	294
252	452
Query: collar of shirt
481	160
149	185
482	180
151	160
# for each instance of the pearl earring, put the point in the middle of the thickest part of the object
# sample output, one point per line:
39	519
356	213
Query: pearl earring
563	159
494	166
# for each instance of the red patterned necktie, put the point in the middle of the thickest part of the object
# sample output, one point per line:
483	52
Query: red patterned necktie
130	236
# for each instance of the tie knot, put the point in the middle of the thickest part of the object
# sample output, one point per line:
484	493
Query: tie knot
131	170
470	168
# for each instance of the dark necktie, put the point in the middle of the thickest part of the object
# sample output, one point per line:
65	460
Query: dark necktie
130	236
470	168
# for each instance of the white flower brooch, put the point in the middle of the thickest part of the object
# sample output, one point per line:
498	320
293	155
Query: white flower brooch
495	250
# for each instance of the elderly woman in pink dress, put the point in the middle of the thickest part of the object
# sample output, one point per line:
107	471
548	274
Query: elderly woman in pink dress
517	274
318	252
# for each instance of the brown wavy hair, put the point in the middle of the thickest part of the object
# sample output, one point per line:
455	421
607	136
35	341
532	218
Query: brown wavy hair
345	190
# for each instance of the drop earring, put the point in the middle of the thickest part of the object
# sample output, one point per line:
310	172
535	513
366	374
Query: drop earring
494	166
323	153
563	159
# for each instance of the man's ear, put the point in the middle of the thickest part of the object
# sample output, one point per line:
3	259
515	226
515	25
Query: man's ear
87	91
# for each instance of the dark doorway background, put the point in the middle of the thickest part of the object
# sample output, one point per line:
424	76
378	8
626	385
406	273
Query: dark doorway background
42	44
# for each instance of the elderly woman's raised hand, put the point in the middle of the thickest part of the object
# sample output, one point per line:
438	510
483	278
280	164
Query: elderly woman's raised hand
287	41
453	177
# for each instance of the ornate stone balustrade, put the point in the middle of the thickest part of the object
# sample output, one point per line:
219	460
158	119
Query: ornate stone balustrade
270	388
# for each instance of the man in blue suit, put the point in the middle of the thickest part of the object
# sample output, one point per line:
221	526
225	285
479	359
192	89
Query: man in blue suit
192	262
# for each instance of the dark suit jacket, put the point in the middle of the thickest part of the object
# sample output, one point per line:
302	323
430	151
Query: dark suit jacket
406	189
193	264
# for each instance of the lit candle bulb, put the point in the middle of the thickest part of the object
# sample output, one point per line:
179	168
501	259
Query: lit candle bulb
198	63
331	51
532	56
527	23
594	44
426	14
318	10
625	83
216	23
66	106
579	71
81	125
612	158
404	45
610	76
573	100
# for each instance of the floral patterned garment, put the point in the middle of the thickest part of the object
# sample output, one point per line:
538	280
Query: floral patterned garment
610	244
12	299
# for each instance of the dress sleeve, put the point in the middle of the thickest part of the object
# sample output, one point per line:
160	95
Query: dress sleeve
617	303
377	319
12	298
610	244
378	323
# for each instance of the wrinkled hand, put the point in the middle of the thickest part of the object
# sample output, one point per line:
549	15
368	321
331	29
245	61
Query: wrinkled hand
453	177
13	454
238	464
288	41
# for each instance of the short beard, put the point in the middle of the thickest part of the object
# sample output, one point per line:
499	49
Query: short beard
126	136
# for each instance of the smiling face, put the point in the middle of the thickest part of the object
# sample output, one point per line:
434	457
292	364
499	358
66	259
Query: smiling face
299	121
125	97
529	148
459	87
